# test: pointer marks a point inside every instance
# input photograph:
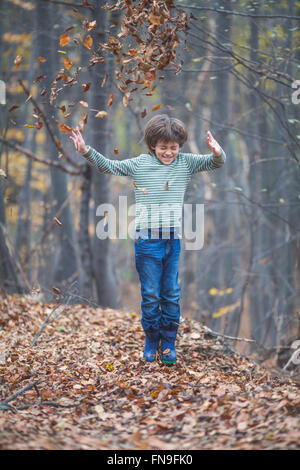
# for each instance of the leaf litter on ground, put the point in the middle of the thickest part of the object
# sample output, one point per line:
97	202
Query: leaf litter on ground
87	387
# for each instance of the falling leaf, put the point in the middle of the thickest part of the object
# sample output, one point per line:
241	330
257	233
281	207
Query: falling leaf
38	125
42	59
150	76
65	129
157	107
156	20
58	222
110	100
101	114
91	25
86	86
104	80
126	99
28	125
64	40
88	42
40	78
68	63
13	107
56	290
18	60
116	151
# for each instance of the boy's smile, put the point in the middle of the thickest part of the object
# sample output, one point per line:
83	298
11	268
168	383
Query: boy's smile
166	152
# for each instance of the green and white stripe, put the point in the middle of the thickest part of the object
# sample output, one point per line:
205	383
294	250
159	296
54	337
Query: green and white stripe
159	189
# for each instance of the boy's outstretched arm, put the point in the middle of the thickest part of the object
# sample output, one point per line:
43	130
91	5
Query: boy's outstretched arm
214	160
213	144
104	165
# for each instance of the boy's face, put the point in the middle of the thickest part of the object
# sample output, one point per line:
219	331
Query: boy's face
166	152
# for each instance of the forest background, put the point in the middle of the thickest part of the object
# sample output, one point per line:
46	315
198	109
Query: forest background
235	74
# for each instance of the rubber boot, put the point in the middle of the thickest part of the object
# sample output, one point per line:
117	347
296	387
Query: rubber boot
151	345
168	352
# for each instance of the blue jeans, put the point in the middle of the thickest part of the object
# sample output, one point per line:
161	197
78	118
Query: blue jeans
157	262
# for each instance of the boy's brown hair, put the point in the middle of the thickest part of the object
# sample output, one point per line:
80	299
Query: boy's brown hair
162	127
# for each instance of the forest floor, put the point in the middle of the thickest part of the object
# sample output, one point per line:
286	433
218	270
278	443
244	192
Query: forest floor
88	387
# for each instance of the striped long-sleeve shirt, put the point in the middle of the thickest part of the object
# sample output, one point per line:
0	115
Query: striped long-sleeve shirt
159	189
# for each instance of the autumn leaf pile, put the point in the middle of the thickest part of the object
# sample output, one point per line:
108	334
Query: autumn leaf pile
148	39
92	390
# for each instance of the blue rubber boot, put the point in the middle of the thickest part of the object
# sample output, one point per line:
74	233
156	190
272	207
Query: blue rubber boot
168	352
151	345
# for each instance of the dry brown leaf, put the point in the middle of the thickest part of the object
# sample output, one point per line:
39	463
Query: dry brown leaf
65	129
101	114
88	42
64	40
110	100
18	60
67	63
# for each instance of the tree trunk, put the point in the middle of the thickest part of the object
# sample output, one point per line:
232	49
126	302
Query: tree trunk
65	256
107	293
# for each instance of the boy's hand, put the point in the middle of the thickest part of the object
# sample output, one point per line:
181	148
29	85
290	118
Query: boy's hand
213	144
78	141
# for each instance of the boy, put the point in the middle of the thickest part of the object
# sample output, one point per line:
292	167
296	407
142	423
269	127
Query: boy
160	179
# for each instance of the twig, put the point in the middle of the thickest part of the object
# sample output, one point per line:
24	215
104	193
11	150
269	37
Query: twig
215	333
50	130
34	157
238	13
47	403
75	5
48	321
50	226
4	404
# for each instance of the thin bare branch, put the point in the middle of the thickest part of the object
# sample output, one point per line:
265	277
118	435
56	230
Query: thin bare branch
238	13
34	157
